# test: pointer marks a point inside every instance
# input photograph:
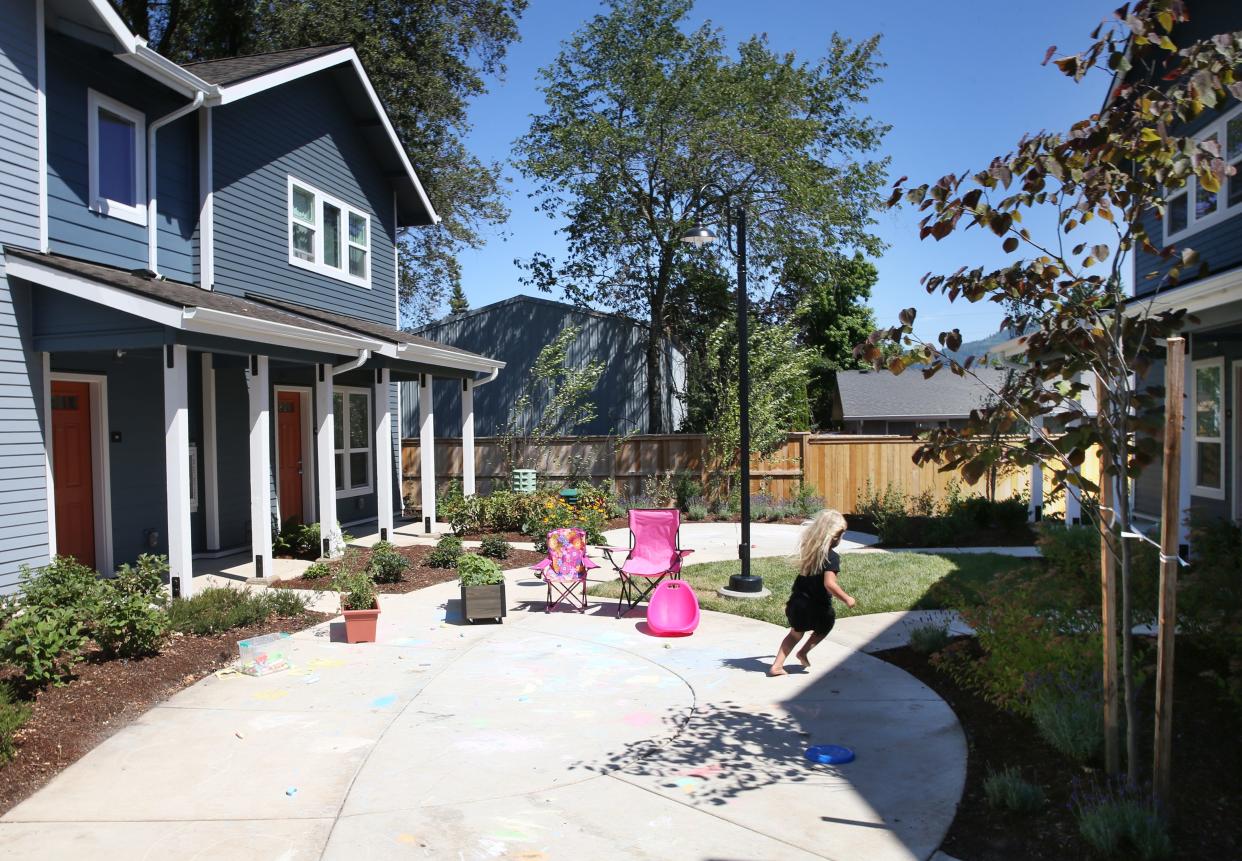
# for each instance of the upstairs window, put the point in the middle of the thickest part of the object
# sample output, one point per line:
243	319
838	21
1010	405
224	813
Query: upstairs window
116	135
1192	207
327	235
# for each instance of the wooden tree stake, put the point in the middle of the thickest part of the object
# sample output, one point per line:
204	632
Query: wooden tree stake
1108	614
1170	521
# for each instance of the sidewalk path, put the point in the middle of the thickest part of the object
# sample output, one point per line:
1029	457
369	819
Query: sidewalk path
548	737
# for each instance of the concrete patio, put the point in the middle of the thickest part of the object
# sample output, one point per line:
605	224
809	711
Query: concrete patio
550	736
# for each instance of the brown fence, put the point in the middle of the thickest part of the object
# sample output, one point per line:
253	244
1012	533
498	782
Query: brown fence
838	466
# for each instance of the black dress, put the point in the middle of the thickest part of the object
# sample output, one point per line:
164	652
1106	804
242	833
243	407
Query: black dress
809	607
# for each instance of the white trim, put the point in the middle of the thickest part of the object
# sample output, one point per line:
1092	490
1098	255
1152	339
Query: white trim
1223	210
382	457
153	234
49	476
116	27
136	212
101	468
396	263
467	437
209	321
1186	482
346	491
211	479
305	406
322	198
176	466
41	112
206	201
1237	439
1195	439
325	462
258	399
430	355
426	450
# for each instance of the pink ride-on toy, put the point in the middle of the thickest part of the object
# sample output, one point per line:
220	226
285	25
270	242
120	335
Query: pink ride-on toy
674	609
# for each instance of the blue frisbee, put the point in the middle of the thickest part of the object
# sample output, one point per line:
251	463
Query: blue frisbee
829	754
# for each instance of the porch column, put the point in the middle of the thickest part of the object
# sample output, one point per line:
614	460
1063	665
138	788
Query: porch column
1073	505
177	469
325	463
257	384
211	492
1188	450
426	452
383	454
1037	482
467	437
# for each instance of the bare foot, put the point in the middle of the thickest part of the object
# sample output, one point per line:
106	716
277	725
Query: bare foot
777	671
804	660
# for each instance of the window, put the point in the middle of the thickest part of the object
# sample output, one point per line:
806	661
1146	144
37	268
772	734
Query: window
1209	428
1193	207
116	140
351	435
327	235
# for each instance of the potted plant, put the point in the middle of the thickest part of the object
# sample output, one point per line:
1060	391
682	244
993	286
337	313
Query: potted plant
482	588
359	604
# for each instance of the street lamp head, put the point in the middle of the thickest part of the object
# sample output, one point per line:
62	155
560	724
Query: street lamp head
698	235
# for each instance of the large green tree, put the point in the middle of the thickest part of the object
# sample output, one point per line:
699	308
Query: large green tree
426	59
649	127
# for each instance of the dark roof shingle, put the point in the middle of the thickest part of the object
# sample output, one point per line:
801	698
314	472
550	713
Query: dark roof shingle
234	70
880	394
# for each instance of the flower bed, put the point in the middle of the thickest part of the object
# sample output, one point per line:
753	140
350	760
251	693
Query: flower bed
418	575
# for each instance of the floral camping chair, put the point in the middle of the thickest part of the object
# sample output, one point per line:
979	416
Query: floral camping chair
654	553
564	571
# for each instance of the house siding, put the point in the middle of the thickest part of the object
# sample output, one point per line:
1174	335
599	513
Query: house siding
23	468
303	129
74	230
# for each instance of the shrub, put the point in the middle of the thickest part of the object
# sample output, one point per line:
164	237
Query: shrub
317	571
13	714
660	489
685	488
132	621
887	512
1114	816
299	540
1068	715
553	512
807	502
1007	790
696	509
357	590
923	504
1010	514
1209	602
495	547
63	584
284	603
43	643
446	552
220	608
475	570
1070	550
928	638
386	565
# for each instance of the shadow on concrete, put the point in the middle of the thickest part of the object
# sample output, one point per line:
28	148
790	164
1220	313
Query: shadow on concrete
336	632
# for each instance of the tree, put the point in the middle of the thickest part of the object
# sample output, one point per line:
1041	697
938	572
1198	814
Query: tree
1068	297
426	59
648	128
458	303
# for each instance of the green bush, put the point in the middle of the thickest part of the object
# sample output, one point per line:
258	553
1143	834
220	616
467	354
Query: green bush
1115	817
317	571
807	502
299	540
132	621
357	589
1007	790
219	608
1073	553
929	639
446	552
697	511
886	510
386	565
63	584
1070	550
495	547
43	643
13	713
1067	713
475	570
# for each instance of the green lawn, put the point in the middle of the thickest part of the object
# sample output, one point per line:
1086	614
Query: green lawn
880	581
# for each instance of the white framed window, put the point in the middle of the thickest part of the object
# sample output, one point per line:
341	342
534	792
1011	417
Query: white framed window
1207	401
117	158
1192	207
351	435
327	235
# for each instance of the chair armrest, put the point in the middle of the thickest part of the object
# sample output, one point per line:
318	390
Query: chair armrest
541	564
685	553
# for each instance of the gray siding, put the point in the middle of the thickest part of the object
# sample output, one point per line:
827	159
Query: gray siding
514	331
72	68
303	129
23	490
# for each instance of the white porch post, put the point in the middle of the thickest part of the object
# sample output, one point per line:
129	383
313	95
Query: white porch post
211	493
177	469
383	454
467	437
426	452
1073	505
1037	483
260	466
325	449
1188	449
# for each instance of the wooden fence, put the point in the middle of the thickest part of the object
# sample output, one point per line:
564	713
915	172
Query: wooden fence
838	466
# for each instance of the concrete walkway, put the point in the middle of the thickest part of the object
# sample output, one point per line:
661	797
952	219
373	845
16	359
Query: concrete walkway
547	737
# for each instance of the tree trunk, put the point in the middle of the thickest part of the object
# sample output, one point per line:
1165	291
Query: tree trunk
655	344
1127	620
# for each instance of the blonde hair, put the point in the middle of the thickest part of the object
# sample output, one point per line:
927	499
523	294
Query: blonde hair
818	539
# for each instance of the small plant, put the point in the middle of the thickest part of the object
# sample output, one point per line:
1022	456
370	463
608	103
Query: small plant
220	608
317	571
132	621
495	547
43	643
1007	790
386	565
65	583
1114	816
446	552
929	638
475	570
1067	714
807	502
357	590
696	508
13	714
887	512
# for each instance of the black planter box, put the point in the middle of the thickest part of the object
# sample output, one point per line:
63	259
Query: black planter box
483	602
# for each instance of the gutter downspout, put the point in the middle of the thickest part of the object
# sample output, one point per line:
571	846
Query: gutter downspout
363	356
483	382
152	174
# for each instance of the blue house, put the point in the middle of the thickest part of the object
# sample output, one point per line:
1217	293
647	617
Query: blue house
198	298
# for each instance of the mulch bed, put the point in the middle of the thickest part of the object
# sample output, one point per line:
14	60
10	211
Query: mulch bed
67	722
417	576
1207	771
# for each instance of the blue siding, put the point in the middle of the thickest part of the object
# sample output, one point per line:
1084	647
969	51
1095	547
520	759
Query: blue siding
19	154
74	230
303	129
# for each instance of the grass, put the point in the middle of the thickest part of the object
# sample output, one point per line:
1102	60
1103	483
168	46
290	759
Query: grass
881	582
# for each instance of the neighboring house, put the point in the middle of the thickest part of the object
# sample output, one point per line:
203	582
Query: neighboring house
254	379
514	330
878	402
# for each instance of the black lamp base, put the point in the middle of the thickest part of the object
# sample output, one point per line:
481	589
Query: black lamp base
745	583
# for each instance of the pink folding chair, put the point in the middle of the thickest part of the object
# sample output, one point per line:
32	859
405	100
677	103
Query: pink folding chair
564	571
654	553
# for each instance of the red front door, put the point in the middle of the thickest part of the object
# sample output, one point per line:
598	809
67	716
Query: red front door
289	446
72	471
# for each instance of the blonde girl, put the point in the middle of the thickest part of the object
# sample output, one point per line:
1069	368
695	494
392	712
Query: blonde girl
809	607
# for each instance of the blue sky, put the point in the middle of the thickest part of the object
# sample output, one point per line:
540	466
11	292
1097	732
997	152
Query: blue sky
963	83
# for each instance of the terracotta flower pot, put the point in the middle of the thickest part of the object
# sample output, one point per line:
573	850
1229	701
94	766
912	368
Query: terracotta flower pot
360	624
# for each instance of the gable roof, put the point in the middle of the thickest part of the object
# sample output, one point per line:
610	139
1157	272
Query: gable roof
523	299
233	70
882	395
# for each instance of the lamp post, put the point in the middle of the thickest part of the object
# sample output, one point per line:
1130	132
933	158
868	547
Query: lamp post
744	583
